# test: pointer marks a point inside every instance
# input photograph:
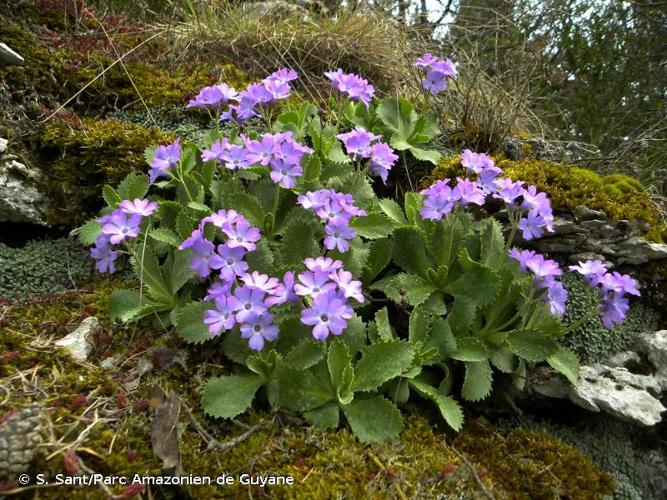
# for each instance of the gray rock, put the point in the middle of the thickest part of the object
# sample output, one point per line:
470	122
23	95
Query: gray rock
9	57
654	347
79	343
20	199
614	390
516	148
20	437
3	145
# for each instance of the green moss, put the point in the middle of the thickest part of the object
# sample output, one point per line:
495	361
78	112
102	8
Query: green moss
593	342
619	196
79	159
616	447
530	464
42	267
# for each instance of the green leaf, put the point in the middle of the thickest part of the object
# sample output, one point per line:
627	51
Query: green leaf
261	258
190	324
408	287
199	207
419	325
305	354
373	419
381	362
413	205
492	243
373	226
409	251
430	155
229	396
355	258
451	411
398	115
147	268
531	345
177	271
89	232
393	210
341	373
123	304
479	282
166	235
324	417
477	381
503	359
167	213
355	334
185	224
312	168
470	349
299	239
249	206
565	362
442	338
462	315
448	237
133	186
111	197
384	331
304	390
379	258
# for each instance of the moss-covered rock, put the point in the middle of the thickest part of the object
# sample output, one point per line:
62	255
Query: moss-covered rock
78	159
592	342
42	267
621	197
529	464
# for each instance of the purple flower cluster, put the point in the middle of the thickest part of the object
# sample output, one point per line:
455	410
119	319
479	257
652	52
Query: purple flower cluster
534	206
122	224
612	288
279	151
442	198
273	88
328	286
228	259
213	97
165	157
361	144
353	86
436	72
336	210
545	272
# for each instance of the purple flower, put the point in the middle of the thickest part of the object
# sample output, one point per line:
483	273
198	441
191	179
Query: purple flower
222	218
259	151
104	255
382	159
522	257
260	281
203	256
467	192
213	96
327	314
284	292
283	75
613	309
619	283
350	287
218	290
285	175
235	158
534	200
241	234
358	142
507	190
532	225
339	235
218	148
313	283
323	264
591	270
120	226
140	207
354	86
165	157
437	71
221	318
439	200
543	268
277	89
288	150
259	328
313	199
557	298
247	301
231	263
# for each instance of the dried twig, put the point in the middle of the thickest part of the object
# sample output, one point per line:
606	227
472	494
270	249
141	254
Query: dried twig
479	482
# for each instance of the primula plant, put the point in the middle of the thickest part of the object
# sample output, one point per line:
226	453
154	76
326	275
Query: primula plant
328	300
